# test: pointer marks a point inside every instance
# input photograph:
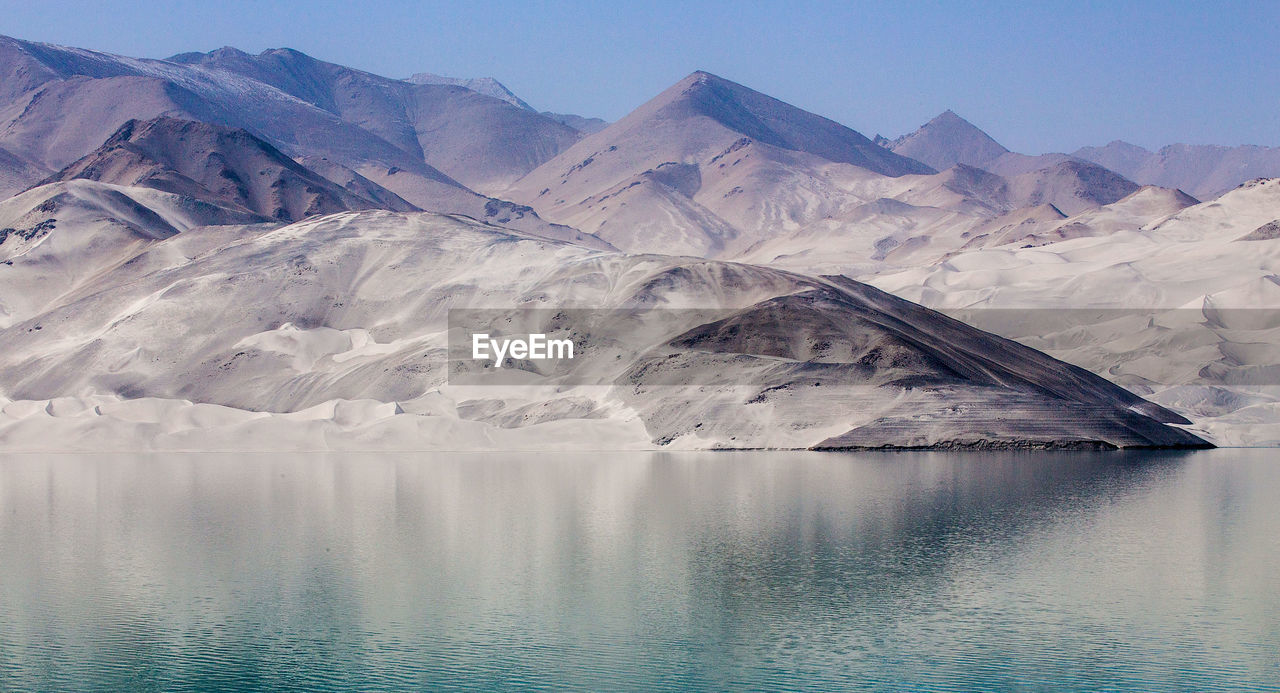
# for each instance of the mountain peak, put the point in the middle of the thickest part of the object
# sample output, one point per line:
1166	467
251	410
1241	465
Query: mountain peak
221	165
701	79
1126	145
950	118
1170	196
227	51
764	119
291	52
197	57
487	86
947	140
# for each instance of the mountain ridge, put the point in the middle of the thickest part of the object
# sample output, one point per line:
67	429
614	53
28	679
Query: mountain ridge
212	163
1067	182
481	85
724	139
947	140
479	139
1204	170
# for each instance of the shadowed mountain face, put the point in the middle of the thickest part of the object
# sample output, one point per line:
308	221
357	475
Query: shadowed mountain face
1205	171
1071	186
215	164
17	174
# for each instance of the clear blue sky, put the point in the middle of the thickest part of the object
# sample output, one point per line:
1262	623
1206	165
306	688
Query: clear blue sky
1037	78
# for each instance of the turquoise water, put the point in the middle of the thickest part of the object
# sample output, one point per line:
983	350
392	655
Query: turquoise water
719	571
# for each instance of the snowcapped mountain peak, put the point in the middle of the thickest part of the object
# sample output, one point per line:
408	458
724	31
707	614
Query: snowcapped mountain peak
481	85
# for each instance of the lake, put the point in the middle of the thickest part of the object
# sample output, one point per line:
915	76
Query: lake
641	571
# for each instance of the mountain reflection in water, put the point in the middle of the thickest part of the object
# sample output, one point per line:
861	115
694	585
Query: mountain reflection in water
777	570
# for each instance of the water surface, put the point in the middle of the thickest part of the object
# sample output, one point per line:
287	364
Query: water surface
799	571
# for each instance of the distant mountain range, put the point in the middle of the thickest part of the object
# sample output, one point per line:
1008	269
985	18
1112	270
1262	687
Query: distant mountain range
1069	183
1204	171
419	136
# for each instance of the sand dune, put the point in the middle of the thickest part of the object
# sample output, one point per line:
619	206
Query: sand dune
1181	308
334	329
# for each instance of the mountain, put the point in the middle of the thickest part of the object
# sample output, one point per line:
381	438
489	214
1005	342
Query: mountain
1118	156
1071	186
948	140
223	88
358	185
713	169
722	156
215	164
1068	183
1033	226
481	85
57	238
1182	306
920	221
1205	171
303	107
479	140
587	126
489	86
106	90
335	329
17	174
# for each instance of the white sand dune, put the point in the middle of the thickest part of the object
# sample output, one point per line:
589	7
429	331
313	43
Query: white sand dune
331	332
1182	308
